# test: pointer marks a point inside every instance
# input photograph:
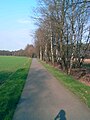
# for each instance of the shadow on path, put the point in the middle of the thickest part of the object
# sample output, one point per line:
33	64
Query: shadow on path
61	115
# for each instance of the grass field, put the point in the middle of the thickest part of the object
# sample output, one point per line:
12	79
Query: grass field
13	73
78	88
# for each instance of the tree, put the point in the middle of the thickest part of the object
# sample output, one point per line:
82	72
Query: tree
29	51
64	28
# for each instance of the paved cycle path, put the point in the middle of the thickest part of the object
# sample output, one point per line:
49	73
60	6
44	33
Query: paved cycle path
43	97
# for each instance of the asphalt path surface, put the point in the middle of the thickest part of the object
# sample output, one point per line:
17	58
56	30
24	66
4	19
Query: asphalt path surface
44	98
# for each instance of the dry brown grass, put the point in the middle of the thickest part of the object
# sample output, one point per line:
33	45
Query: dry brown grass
87	61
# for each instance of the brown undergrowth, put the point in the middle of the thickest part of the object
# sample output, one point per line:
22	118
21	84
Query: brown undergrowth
80	74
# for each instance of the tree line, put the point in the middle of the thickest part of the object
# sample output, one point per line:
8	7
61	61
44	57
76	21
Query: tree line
63	33
29	51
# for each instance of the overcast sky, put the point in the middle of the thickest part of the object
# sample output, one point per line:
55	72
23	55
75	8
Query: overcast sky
16	26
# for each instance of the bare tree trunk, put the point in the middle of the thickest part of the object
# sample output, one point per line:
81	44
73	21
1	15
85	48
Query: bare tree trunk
46	52
52	54
40	53
56	53
67	60
71	63
56	40
73	37
61	35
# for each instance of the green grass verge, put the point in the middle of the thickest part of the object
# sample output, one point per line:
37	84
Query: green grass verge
78	88
13	82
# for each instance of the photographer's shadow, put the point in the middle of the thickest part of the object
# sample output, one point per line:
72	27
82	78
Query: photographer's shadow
61	115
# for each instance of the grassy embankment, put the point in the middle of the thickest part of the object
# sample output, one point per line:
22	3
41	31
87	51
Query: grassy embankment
13	73
78	88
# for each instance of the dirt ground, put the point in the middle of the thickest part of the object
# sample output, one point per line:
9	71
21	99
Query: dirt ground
81	74
85	78
87	61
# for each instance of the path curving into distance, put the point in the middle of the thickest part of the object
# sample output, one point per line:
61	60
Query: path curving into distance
44	98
